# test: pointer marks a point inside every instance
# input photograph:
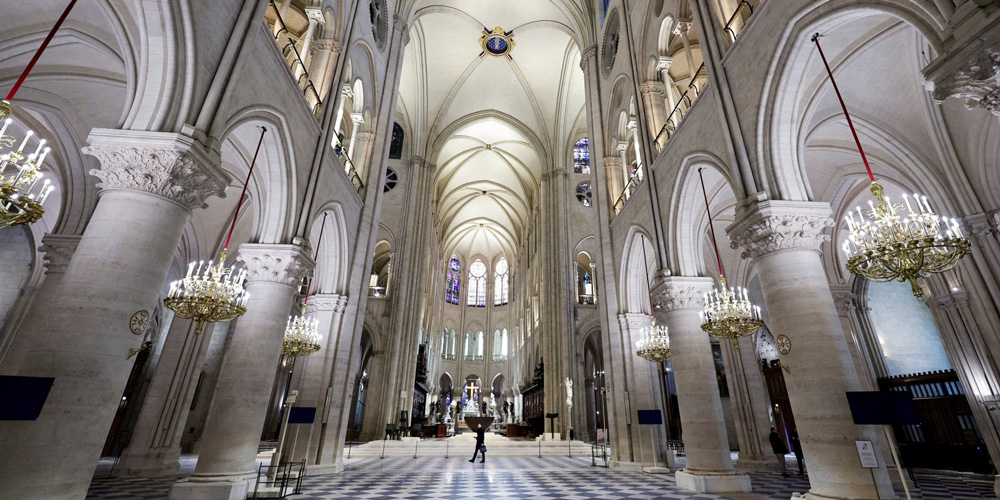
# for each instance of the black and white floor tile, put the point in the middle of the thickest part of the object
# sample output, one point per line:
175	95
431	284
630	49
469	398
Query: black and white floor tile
522	478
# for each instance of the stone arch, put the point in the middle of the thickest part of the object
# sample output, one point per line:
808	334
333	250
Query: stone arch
688	221
333	256
638	260
779	169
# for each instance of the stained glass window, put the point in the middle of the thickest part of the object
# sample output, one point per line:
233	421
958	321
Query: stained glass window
454	280
581	156
396	145
477	284
583	194
501	283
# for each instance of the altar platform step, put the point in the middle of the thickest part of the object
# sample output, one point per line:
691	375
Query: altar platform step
464	444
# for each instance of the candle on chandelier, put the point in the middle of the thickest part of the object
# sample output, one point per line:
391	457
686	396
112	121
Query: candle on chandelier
25	141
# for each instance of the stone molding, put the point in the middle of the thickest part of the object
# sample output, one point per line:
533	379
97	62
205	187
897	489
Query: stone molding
366	137
977	81
327	302
843	298
419	161
58	250
172	166
325	44
588	53
612	162
284	264
980	225
678	293
773	226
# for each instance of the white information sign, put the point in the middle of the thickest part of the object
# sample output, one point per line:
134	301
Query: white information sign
867	454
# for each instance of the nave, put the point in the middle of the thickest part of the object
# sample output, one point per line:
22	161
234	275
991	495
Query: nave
438	478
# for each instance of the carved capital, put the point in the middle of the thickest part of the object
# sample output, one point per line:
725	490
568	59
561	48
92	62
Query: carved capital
843	298
365	137
953	300
631	322
58	250
325	44
612	162
285	264
977	80
677	293
420	162
399	24
653	87
315	15
682	28
553	174
773	226
588	54
173	166
980	225
663	63
327	302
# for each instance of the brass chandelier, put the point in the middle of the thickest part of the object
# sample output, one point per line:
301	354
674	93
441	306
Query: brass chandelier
21	173
885	244
215	292
302	336
653	343
728	312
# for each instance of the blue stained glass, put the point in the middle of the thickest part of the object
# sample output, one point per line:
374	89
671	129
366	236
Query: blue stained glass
454	281
581	156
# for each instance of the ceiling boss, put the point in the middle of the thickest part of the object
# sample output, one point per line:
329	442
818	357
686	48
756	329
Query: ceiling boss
497	42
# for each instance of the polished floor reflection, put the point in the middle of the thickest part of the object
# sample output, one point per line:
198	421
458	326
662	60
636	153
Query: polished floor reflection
518	478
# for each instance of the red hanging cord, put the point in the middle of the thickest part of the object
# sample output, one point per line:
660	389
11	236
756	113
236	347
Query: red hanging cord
710	225
38	53
857	141
645	267
263	130
309	282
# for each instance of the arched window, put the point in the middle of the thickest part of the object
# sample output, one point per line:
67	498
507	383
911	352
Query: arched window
505	345
500	349
583	194
454	280
501	283
396	145
448	344
477	284
470	346
581	156
479	345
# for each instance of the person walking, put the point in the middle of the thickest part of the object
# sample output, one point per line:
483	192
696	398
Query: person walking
796	448
779	449
480	444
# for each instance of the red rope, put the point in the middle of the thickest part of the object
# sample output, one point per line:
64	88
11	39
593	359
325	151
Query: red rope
38	53
710	225
645	267
857	141
322	227
263	130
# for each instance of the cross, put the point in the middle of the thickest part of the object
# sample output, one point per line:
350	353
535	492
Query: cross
472	389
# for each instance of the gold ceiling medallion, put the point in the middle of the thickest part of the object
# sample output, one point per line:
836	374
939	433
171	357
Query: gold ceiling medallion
784	344
139	322
497	43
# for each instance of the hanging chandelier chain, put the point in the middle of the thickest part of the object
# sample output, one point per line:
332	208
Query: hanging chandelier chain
322	227
711	226
38	53
850	123
236	213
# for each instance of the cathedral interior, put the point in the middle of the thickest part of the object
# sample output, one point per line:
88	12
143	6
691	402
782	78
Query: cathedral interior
657	249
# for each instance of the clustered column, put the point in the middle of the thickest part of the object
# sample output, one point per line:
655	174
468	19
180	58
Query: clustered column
782	238
233	428
709	464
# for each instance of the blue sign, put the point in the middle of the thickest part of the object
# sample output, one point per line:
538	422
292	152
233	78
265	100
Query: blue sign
650	417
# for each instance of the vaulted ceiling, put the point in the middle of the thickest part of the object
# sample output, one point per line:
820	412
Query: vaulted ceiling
492	124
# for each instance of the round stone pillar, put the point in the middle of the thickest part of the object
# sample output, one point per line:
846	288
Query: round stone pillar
709	463
234	424
81	338
783	239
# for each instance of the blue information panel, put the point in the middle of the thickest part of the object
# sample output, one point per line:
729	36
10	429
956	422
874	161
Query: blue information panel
650	417
300	415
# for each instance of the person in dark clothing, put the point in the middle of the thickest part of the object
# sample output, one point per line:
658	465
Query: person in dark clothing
480	444
796	448
779	449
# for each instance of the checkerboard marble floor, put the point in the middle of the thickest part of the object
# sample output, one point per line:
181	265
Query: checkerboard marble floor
520	478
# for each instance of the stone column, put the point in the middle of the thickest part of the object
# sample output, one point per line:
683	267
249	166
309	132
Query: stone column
155	446
709	464
654	98
326	384
613	173
232	432
783	239
315	16
682	29
58	250
640	385
663	66
750	404
151	182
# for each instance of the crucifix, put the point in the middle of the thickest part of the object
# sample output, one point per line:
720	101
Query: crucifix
472	390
